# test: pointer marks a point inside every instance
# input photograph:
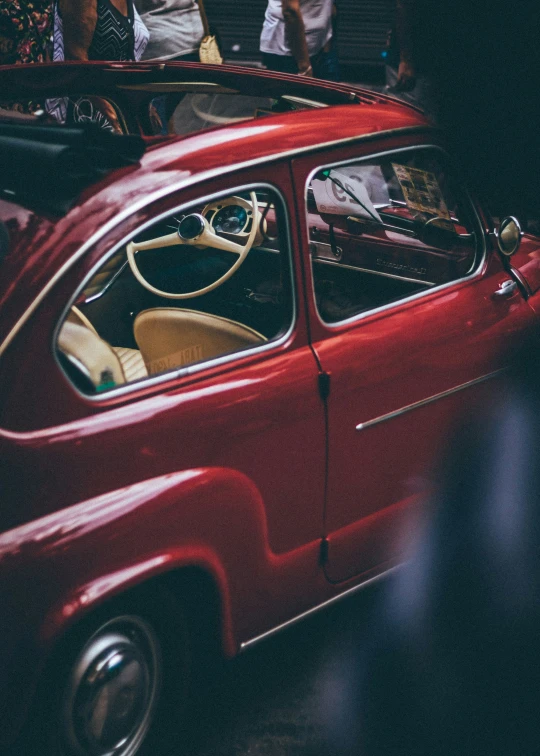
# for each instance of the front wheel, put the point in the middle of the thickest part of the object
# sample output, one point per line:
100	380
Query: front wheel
111	690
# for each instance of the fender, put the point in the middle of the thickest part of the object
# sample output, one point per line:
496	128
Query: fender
57	569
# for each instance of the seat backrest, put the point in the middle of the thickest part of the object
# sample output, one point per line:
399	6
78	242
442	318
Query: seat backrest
171	337
76	316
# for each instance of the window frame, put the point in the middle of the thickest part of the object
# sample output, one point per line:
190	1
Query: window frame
481	247
182	372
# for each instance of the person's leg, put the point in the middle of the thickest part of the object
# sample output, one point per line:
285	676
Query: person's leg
326	63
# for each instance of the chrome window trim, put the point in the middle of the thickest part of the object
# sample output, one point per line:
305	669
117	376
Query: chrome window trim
429	400
108	285
295	100
480	254
189	370
188	181
304	615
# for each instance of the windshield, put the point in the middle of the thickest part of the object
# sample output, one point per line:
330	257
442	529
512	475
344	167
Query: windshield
177	108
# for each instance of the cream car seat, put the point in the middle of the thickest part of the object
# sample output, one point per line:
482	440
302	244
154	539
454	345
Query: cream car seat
170	337
103	364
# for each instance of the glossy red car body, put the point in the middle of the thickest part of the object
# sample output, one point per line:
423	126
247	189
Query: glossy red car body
251	476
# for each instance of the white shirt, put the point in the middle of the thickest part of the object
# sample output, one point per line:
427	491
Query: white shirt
317	15
175	27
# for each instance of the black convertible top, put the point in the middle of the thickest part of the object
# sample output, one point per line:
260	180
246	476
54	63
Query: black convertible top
47	165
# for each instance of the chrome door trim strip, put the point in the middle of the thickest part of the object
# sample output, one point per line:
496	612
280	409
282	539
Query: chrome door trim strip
429	400
337	264
190	181
284	625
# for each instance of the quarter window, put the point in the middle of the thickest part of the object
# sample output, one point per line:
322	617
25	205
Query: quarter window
383	229
207	281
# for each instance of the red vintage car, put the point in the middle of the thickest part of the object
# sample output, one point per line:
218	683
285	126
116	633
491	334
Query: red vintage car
232	337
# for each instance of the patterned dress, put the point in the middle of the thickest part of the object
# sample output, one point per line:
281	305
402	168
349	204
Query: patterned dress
116	37
25	31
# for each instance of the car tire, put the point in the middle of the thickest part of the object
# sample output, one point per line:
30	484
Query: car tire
116	682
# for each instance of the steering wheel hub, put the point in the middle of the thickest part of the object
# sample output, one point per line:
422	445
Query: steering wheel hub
191	226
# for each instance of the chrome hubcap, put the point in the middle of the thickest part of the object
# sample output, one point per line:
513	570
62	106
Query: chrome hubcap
112	690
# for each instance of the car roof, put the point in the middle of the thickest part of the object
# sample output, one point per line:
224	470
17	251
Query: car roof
42	243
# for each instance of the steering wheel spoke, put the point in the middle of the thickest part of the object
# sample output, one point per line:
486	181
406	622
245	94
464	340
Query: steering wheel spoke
170	240
209	239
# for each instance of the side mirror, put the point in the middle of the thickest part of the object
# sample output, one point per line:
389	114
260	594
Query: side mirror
509	236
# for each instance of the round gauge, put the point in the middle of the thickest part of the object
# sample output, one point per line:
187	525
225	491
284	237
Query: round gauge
231	219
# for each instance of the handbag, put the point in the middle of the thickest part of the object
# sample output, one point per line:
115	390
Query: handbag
209	51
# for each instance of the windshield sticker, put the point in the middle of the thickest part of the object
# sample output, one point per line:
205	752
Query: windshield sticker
343	192
422	192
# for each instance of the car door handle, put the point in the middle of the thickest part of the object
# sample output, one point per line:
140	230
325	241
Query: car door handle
506	289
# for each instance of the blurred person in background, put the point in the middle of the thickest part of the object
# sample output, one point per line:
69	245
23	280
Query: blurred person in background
482	60
298	37
25	37
25	31
451	665
94	30
98	30
404	78
175	27
176	31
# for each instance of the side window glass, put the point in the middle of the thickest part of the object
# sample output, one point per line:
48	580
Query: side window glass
383	229
209	280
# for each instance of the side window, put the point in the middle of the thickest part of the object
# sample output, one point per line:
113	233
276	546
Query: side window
385	228
209	280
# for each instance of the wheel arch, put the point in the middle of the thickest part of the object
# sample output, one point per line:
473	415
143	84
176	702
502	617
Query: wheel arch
197	511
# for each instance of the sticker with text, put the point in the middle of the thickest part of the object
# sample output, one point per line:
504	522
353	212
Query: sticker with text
422	192
176	359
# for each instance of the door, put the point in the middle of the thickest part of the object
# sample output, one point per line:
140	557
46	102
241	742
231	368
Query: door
142	384
408	319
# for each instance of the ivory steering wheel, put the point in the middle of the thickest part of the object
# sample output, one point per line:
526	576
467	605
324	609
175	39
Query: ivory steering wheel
196	231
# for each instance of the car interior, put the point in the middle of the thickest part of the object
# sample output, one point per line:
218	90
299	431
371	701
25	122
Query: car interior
385	229
198	285
214	279
178	108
